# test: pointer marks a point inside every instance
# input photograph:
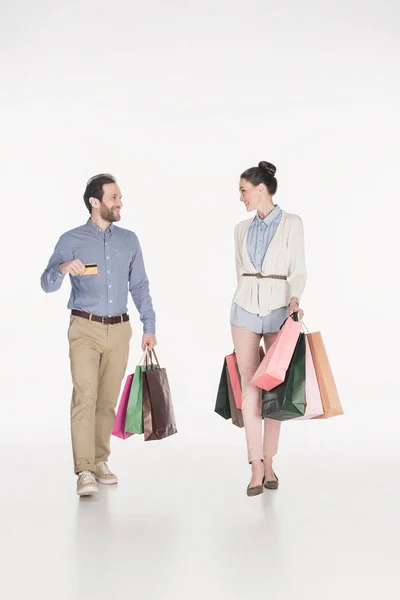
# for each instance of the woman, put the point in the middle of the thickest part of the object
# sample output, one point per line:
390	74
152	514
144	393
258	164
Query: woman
271	275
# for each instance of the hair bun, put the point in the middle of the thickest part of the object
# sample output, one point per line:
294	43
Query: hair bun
266	166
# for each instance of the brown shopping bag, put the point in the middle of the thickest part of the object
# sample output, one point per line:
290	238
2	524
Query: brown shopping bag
158	412
326	382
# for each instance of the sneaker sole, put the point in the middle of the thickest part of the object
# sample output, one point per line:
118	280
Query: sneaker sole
88	492
106	481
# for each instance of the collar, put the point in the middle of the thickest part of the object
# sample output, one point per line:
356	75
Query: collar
274	214
98	230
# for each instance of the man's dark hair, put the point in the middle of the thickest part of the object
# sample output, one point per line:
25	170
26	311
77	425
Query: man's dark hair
94	188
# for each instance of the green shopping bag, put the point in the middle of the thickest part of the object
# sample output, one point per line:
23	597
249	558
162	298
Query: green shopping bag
134	413
287	400
222	406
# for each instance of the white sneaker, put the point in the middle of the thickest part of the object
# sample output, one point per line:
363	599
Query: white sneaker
86	484
103	474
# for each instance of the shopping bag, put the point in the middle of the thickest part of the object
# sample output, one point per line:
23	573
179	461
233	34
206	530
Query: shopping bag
134	413
314	406
326	382
234	376
287	400
222	406
237	416
119	423
158	412
272	370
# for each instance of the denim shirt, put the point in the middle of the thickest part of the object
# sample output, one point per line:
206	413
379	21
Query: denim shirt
259	237
119	259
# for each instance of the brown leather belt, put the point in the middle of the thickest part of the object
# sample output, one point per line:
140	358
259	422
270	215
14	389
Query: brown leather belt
261	276
104	320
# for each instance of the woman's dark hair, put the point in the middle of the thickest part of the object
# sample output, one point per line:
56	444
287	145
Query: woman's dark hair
264	173
94	188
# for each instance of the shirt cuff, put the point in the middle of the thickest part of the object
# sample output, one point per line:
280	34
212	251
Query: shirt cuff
57	274
149	327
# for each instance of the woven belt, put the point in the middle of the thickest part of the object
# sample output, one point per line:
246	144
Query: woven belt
261	276
104	320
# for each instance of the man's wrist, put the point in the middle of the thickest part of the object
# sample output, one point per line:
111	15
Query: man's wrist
294	300
58	271
149	328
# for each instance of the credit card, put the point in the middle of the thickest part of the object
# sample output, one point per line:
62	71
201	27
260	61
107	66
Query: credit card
91	269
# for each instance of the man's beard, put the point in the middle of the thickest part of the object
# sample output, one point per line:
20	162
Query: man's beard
107	214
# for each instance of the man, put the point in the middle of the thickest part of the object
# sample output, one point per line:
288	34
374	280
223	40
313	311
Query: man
99	331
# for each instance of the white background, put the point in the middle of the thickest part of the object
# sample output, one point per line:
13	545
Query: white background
176	99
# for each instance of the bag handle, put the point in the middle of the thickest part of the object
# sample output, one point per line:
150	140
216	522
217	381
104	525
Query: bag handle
295	316
156	357
149	358
143	359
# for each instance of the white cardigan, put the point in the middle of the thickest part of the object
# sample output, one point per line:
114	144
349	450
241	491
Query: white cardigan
285	256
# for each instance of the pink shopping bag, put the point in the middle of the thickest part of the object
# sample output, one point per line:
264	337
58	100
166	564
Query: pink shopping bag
272	370
234	376
119	423
314	406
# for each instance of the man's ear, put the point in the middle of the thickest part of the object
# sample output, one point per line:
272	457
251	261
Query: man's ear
95	202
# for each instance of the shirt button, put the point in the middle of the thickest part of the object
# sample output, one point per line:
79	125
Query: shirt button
109	286
110	300
108	271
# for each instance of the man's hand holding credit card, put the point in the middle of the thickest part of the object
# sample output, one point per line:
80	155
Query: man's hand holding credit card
77	267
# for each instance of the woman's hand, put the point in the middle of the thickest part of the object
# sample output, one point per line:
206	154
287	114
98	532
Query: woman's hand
295	308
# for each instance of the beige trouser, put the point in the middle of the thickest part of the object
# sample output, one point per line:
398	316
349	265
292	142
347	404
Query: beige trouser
99	356
247	346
